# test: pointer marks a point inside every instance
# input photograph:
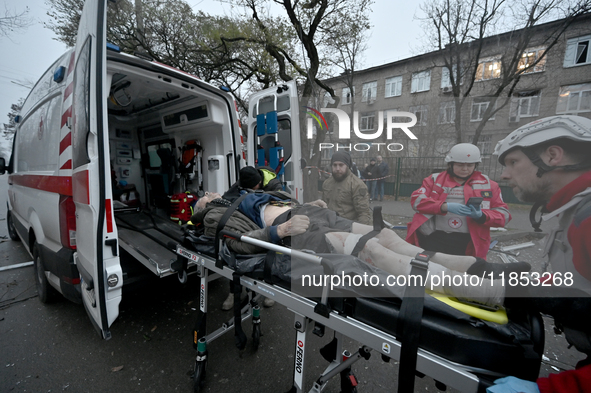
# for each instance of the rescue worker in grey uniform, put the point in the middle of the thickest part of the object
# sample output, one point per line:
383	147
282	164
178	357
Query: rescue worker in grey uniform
547	162
345	193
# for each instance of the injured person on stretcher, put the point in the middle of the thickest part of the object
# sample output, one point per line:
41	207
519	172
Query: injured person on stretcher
274	217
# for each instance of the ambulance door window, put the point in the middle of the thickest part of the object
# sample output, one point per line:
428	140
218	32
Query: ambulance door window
154	159
266	142
81	108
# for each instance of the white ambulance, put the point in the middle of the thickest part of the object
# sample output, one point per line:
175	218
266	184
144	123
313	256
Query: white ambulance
104	142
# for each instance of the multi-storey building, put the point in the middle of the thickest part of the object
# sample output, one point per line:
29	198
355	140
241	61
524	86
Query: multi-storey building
559	83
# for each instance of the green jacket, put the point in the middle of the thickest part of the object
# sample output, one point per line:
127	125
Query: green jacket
349	198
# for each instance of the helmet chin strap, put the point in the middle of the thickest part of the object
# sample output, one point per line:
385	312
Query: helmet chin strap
540	205
544	168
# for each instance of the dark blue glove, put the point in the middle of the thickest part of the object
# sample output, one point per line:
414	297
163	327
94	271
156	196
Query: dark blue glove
475	212
513	385
459	209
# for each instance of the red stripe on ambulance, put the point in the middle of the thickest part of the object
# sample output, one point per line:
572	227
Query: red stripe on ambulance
71	65
58	184
65	143
67	165
67	114
109	213
68	90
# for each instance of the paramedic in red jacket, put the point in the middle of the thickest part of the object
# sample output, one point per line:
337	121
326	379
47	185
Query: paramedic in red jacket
443	222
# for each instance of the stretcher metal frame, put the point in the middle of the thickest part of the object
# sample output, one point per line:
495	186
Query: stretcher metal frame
458	376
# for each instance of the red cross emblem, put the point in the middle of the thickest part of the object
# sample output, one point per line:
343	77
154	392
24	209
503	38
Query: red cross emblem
454	223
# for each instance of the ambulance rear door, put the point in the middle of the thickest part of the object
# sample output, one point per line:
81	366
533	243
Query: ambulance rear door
96	235
274	134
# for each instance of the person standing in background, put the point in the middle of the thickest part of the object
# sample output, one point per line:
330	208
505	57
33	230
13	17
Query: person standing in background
382	172
344	192
370	174
443	222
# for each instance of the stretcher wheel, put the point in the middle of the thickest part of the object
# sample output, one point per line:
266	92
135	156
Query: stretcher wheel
256	336
199	377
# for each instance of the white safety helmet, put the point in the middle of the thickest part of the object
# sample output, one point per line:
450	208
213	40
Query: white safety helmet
463	152
576	128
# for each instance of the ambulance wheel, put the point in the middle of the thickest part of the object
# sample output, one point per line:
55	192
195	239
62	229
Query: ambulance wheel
47	294
256	336
11	229
199	377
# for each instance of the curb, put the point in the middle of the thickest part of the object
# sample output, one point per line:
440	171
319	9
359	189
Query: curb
504	236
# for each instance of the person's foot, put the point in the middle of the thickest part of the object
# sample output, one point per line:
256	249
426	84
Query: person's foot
268	302
484	268
228	303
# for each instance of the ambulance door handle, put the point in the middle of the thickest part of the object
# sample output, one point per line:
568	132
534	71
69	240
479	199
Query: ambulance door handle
113	244
91	144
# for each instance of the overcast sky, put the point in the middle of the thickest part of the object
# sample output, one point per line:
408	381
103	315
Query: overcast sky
27	54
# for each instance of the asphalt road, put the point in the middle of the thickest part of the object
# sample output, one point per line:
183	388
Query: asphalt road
54	348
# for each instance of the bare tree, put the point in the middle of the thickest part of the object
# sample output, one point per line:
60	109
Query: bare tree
460	29
346	44
313	24
245	52
13	21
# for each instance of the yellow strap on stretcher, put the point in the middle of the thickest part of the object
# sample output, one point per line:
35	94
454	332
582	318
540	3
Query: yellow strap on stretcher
499	316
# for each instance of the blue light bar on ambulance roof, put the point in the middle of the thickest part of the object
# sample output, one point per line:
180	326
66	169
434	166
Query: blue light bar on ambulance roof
225	88
59	74
113	47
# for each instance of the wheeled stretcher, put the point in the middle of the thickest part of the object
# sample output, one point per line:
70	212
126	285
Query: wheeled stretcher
449	345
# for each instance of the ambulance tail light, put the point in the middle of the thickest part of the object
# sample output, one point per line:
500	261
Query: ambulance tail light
68	222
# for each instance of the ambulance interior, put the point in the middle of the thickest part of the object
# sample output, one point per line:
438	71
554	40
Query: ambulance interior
167	137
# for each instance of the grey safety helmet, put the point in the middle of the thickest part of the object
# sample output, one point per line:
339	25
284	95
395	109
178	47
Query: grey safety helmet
464	152
576	128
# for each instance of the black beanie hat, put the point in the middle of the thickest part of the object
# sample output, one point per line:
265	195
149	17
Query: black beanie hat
249	177
343	157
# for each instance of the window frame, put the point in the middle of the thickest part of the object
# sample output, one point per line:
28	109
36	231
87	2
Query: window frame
419	76
346	93
485	146
481	68
372	87
397	82
580	89
444	107
424	113
516	104
571	52
445	76
540	67
369	118
479	102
